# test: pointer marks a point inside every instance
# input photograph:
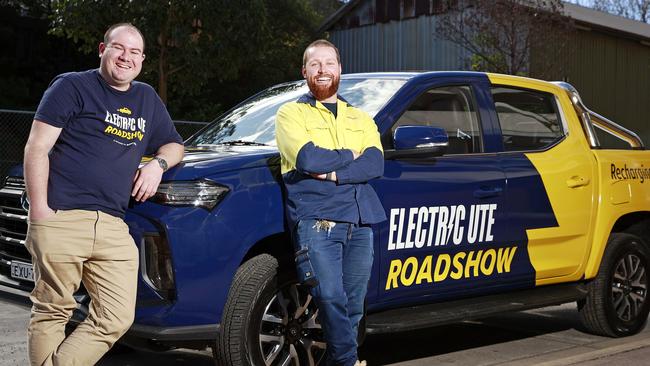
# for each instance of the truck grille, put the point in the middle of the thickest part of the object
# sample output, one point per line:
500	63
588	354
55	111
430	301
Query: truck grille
13	225
13	231
17	183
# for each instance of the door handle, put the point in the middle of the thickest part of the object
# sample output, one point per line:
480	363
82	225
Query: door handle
485	192
577	181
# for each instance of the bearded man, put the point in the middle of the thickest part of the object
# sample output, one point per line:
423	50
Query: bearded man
329	151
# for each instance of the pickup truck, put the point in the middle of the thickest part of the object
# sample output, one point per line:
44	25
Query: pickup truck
502	194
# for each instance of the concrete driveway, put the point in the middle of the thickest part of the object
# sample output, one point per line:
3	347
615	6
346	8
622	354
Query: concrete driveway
551	336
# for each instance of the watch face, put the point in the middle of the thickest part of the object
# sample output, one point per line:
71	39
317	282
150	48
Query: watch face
162	162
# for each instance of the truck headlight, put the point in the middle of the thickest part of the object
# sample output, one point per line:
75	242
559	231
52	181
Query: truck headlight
203	193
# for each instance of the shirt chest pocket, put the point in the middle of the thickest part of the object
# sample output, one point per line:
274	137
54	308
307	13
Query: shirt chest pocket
354	133
320	133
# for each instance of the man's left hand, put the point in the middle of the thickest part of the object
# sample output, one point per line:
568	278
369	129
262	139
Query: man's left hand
146	181
324	176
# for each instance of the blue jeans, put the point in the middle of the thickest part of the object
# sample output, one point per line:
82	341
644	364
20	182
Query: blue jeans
339	259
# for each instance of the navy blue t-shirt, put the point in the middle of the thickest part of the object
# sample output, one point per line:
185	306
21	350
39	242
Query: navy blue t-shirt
104	134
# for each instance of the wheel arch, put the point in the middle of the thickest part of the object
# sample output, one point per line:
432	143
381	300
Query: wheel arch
636	223
278	245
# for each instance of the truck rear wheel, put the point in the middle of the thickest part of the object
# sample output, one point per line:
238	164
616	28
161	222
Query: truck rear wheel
617	303
268	319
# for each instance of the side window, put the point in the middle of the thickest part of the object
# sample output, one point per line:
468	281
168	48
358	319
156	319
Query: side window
608	140
451	108
529	119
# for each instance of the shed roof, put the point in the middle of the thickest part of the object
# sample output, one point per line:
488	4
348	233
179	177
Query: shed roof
588	16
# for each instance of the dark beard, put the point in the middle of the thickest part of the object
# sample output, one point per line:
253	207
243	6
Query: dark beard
323	92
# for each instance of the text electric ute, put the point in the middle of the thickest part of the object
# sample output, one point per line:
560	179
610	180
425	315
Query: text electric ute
502	193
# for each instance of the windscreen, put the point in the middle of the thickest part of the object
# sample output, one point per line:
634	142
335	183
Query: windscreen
253	121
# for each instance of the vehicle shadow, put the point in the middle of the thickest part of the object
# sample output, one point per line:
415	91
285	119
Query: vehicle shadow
127	357
559	323
383	349
15	297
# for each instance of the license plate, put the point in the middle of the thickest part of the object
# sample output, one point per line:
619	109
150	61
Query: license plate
22	271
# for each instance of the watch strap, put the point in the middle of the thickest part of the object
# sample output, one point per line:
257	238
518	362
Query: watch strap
162	162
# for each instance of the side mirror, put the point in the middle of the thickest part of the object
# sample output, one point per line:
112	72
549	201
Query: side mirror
418	141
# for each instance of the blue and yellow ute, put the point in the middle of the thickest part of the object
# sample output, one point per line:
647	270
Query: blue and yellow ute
502	193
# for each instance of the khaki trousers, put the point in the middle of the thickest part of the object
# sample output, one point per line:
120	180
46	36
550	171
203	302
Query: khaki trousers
76	246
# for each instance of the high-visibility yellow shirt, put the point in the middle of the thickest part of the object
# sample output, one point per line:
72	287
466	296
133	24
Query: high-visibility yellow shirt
307	120
312	140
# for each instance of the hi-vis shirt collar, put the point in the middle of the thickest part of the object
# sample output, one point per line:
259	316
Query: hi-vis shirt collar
308	98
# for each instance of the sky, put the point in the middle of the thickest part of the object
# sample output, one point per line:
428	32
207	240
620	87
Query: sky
587	3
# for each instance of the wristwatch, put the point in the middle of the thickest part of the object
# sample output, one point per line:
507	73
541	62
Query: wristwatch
162	162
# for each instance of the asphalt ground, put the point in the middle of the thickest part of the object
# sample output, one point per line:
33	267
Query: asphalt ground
550	336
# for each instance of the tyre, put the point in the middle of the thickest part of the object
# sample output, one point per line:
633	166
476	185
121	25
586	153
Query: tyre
617	302
268	319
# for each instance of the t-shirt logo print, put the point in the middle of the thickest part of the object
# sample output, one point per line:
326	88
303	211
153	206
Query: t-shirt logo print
126	127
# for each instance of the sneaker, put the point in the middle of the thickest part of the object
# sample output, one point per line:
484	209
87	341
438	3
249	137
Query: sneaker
360	363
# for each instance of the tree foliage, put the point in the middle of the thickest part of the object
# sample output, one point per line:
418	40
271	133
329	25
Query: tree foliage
500	34
30	58
204	55
187	44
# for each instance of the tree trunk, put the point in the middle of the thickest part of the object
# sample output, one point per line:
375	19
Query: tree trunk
162	73
163	63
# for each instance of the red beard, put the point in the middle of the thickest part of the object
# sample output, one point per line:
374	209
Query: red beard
322	92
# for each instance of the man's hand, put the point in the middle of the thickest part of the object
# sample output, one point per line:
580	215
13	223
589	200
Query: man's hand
332	176
146	181
40	213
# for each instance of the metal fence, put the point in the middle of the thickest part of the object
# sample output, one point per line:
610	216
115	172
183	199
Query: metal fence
15	126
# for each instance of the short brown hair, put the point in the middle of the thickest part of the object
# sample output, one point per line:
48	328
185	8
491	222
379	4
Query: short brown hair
128	25
320	43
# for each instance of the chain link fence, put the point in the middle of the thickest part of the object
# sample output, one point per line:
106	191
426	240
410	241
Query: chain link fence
15	126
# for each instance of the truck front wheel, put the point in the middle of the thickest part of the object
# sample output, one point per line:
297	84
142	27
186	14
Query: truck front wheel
268	319
617	303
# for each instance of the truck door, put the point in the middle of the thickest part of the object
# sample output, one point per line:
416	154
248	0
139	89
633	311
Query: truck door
446	214
550	182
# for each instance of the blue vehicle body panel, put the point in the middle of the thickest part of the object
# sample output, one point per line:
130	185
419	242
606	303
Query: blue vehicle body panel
208	247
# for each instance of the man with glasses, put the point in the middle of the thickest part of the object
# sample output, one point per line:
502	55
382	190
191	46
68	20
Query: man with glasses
89	134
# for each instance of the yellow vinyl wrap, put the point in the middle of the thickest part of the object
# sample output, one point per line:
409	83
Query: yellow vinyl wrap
585	200
620	195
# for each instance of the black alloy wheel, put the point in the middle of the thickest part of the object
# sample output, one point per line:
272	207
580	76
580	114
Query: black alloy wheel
269	319
289	330
617	302
629	287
